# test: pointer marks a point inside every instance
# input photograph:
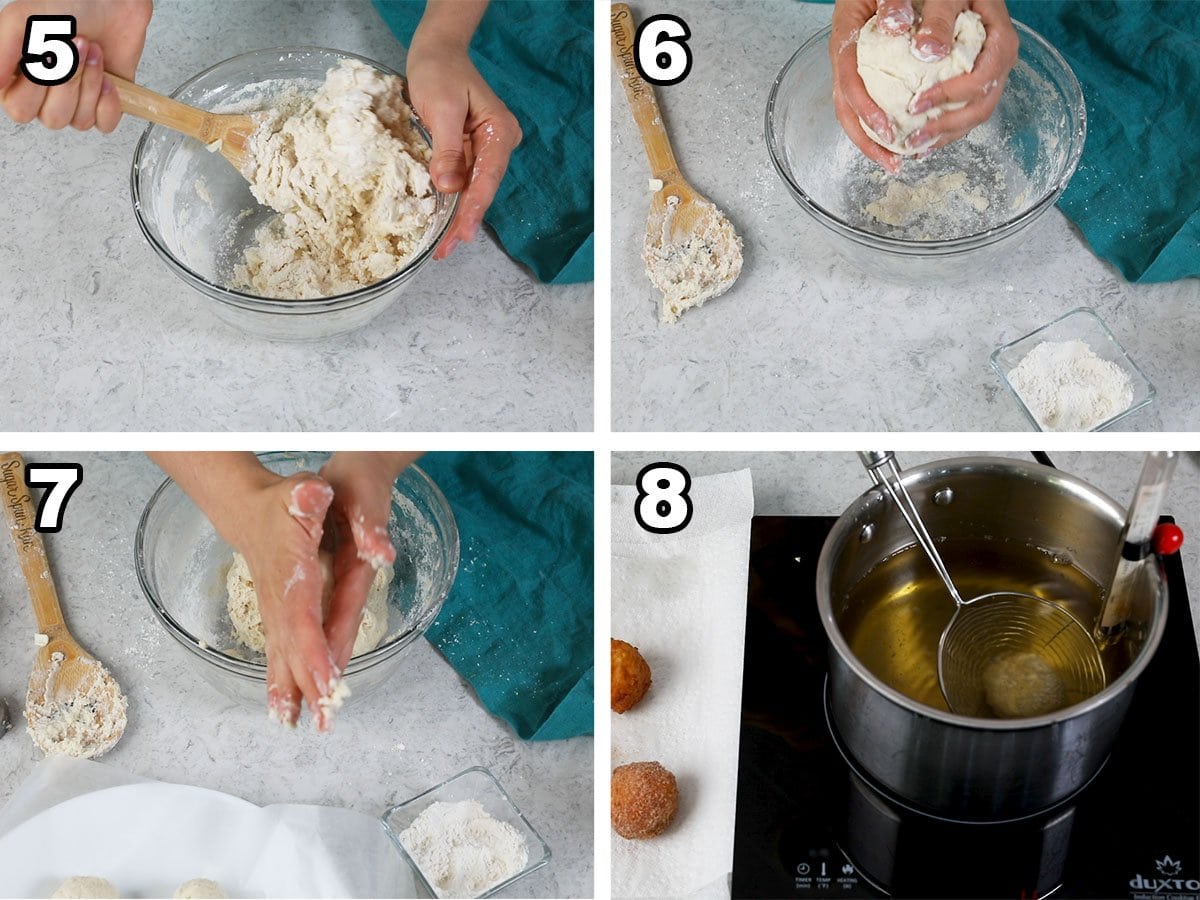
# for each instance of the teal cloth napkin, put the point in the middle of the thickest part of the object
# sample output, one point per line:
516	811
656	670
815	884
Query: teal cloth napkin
1136	194
537	56
518	624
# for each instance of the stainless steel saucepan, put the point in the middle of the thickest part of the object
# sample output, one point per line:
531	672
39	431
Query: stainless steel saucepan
953	765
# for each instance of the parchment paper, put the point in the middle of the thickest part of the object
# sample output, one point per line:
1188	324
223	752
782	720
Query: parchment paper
78	817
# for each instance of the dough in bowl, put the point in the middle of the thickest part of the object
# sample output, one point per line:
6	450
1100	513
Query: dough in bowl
247	619
894	75
79	887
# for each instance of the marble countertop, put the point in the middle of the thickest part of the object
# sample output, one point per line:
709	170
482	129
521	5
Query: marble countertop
387	746
110	340
824	484
804	340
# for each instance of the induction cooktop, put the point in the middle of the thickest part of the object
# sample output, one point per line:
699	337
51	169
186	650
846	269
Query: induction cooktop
808	827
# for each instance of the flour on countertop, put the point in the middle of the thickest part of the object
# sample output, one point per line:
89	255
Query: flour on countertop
462	850
348	173
1069	388
703	266
86	723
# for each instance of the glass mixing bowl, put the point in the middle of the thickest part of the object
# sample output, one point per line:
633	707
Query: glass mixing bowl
1015	166
182	562
198	214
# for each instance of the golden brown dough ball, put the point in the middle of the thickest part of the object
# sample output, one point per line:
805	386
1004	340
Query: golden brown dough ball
645	799
630	676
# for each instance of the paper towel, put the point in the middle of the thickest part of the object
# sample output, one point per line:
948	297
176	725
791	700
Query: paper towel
681	599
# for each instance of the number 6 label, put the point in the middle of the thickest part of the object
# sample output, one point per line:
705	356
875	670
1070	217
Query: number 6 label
661	53
48	55
663	505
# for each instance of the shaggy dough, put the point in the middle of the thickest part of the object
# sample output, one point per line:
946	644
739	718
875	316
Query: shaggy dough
85	724
348	173
925	201
79	887
692	271
200	889
1017	685
894	75
247	620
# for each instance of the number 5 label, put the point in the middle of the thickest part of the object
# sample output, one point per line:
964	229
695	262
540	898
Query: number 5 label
48	55
663	505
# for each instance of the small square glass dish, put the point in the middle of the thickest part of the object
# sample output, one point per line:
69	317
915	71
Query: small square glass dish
478	784
1080	324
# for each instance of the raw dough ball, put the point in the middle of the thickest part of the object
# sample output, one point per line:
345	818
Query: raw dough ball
247	620
1017	685
630	676
893	75
78	887
645	799
200	889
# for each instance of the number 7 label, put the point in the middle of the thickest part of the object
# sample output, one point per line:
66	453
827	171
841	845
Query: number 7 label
60	481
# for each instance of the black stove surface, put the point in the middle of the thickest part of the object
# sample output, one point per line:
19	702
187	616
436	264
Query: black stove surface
1135	832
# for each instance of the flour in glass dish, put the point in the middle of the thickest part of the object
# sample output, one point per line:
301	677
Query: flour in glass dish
461	850
348	172
1068	387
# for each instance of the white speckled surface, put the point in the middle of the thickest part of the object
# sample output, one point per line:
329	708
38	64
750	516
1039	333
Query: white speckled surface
120	343
804	341
386	747
824	484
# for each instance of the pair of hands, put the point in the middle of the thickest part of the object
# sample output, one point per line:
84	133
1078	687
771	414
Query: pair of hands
280	526
979	89
473	132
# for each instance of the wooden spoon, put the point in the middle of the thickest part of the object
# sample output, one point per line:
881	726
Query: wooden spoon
63	672
233	131
691	244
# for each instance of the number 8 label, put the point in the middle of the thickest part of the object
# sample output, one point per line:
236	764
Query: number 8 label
663	505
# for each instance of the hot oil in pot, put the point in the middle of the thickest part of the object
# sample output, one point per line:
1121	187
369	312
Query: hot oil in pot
893	618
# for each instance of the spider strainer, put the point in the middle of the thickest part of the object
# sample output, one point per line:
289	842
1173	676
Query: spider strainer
1003	654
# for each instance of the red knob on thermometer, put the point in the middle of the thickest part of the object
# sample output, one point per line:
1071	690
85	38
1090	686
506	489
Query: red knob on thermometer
1167	539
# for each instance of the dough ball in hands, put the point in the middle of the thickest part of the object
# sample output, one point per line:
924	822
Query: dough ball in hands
78	887
645	799
200	889
895	74
630	676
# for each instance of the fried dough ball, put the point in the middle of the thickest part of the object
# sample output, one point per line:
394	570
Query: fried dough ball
1017	685
645	799
630	676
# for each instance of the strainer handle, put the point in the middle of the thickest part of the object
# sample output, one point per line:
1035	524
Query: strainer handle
881	466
